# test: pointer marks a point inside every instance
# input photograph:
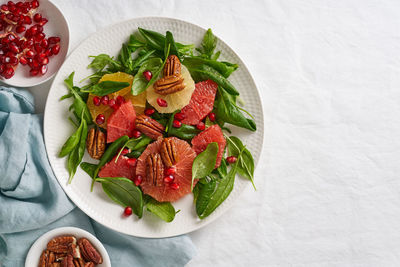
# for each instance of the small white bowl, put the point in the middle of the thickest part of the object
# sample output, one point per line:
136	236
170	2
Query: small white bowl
57	26
32	259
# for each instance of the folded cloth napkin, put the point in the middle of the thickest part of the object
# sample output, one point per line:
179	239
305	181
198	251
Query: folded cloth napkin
32	202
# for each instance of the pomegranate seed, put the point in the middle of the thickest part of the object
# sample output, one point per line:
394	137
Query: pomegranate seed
10	54
231	159
35	4
37	17
147	75
33	72
149	111
33	30
27	20
4	41
176	124
54	40
112	104
45	61
39	37
43	69
174	186
128	211
14	61
161	102
168	179
35	63
100	119
38	48
120	100
41	55
124	151
14	48
23	60
170	170
12	9
5	60
138	180
29	54
49	52
4	7
179	116
20	29
44	43
11	37
43	21
211	116
132	161
201	126
10	3
55	49
104	100
8	73
96	101
24	10
136	133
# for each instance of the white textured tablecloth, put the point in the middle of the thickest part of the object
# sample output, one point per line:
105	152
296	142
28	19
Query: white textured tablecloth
329	75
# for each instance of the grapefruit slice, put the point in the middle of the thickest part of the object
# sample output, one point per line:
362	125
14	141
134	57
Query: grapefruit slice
183	175
120	169
139	101
201	103
176	100
121	122
209	135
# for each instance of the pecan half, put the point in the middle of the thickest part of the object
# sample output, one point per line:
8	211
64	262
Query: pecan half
68	261
60	244
55	264
149	126
89	264
172	66
88	252
44	258
168	152
169	84
96	143
73	250
79	262
155	169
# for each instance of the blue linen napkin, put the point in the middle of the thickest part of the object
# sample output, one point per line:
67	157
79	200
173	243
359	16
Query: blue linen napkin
32	202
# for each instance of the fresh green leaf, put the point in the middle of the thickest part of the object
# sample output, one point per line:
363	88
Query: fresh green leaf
141	59
134	144
204	163
204	193
157	73
101	61
107	87
76	155
125	58
186	132
123	192
139	82
134	43
223	68
245	162
89	168
170	41
164	210
227	111
72	141
208	44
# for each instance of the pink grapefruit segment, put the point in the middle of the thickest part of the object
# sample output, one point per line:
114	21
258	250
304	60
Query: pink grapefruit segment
121	122
120	169
211	134
201	103
183	175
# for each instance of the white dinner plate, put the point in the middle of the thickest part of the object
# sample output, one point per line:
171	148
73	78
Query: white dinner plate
57	129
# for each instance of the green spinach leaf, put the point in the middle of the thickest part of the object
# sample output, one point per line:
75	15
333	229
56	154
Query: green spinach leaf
204	163
186	132
107	87
205	191
72	141
208	44
170	41
76	155
139	82
89	168
224	68
164	210
99	62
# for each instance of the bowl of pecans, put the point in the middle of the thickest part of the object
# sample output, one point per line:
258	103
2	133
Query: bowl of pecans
67	246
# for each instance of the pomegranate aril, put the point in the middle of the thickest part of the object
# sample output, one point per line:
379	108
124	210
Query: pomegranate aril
23	60
176	124
43	69
168	179
128	211
138	180
35	4
5	41
37	17
39	37
55	49
35	63
8	73
120	100
4	7
38	48
10	3
43	21
174	186
136	133
11	37
49	52
12	9
211	116
54	40
112	104
104	100
27	20
39	28
33	72
44	43
45	61
149	111
161	102
231	159
170	171
100	119
132	161
147	75
14	48
124	151
179	116
14	61
20	29
201	126
96	101
29	53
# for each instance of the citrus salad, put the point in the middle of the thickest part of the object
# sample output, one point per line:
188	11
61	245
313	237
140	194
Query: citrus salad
157	119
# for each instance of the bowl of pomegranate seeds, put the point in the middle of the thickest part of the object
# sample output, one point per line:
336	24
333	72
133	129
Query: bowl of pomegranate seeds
34	39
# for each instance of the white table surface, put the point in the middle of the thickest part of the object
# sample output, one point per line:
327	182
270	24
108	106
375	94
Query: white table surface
329	75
